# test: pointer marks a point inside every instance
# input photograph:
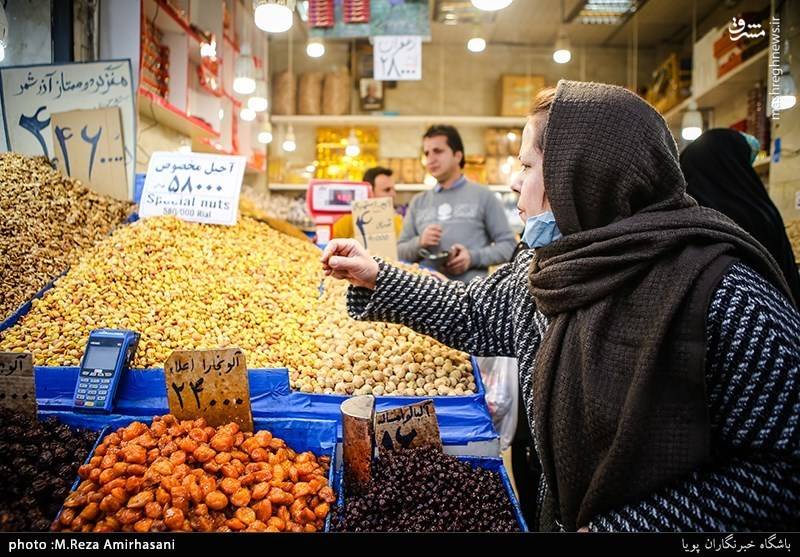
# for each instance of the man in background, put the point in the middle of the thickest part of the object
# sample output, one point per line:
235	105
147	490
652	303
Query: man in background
457	216
382	183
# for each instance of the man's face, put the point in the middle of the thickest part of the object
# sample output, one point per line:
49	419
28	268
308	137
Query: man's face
440	160
384	186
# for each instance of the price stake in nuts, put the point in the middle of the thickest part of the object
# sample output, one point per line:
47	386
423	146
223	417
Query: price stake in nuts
211	384
17	388
407	427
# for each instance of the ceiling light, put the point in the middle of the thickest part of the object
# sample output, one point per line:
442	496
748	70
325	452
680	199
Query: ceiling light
692	123
258	101
315	48
562	52
274	16
244	70
491	5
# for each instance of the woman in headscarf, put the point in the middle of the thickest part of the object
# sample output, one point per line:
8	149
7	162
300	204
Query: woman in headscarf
658	345
719	173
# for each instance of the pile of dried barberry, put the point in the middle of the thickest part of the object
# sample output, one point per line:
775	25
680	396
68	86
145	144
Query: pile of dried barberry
39	462
425	490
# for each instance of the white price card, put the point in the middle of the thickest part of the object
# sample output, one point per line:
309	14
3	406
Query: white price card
397	58
193	186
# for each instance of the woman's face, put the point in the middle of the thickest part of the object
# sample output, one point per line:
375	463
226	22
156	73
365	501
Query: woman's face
529	182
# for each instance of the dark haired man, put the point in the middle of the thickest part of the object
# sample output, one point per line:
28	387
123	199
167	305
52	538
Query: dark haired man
456	215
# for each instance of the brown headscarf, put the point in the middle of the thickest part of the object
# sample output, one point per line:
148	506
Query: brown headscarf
619	396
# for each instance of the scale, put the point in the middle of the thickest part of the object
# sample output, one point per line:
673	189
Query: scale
329	200
108	354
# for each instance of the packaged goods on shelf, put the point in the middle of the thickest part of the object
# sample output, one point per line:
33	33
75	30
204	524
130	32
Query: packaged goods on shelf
309	97
336	93
517	92
284	94
48	221
425	490
40	462
332	160
187	286
291	209
671	83
188	476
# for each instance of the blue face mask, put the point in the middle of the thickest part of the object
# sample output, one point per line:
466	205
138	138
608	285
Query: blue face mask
541	230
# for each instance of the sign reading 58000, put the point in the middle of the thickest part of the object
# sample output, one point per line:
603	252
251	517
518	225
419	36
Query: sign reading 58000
194	187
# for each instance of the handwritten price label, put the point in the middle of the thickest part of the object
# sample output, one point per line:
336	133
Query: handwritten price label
408	427
211	384
373	221
17	388
194	187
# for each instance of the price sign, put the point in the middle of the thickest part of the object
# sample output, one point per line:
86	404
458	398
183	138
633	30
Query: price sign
17	388
211	384
373	226
407	427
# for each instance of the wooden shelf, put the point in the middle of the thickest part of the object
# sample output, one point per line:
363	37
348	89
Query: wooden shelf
736	81
369	120
497	188
168	21
153	106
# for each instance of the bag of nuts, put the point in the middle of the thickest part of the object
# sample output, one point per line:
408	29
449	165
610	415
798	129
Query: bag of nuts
336	95
309	98
284	93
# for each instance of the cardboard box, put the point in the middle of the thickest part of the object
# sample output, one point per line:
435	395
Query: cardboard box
517	93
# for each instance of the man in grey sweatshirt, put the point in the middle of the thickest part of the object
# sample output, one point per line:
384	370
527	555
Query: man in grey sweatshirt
458	216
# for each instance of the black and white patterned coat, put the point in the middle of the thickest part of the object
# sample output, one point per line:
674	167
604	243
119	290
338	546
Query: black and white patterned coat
752	374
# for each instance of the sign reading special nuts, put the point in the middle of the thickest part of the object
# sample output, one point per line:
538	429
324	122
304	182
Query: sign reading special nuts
193	187
17	388
407	427
210	384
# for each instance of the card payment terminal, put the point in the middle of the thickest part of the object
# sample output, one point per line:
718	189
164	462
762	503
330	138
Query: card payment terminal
108	354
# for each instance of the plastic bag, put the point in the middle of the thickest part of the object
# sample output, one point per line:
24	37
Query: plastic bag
501	381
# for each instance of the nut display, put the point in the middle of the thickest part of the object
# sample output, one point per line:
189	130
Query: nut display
47	221
425	490
40	462
187	286
187	476
291	209
358	358
793	231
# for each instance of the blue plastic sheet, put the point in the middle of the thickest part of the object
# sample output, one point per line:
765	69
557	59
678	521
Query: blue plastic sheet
489	463
462	419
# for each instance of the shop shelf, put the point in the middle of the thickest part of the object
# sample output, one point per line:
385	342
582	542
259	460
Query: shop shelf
736	81
167	19
153	106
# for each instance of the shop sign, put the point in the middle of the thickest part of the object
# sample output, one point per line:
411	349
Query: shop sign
211	384
31	95
89	147
193	186
397	58
17	388
407	427
373	226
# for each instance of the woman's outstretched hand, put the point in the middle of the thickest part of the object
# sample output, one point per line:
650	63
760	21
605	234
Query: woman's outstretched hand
346	259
